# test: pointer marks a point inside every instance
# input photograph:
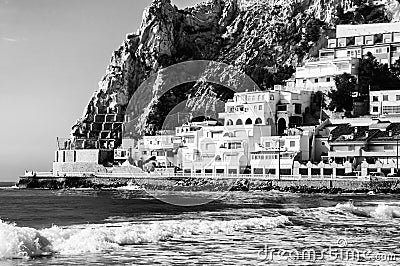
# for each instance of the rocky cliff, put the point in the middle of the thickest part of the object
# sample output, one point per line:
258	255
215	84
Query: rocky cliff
263	38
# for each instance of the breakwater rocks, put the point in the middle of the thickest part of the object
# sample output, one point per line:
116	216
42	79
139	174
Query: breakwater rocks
327	186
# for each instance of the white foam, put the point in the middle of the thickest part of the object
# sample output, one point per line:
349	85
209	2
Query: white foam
18	241
384	211
349	207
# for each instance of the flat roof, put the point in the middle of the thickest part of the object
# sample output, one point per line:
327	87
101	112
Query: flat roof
366	29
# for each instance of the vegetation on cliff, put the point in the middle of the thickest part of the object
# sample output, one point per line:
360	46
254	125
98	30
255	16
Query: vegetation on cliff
342	96
372	75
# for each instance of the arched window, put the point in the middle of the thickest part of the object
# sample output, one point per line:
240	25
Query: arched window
258	121
249	121
271	97
229	122
239	122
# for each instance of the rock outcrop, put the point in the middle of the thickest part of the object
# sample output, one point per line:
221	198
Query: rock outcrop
264	39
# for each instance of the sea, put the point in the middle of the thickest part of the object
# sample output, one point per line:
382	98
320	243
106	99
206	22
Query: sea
132	227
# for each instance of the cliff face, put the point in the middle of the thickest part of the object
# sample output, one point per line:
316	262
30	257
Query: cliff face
262	38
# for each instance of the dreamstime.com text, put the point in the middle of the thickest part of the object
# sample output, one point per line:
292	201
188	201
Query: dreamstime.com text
340	252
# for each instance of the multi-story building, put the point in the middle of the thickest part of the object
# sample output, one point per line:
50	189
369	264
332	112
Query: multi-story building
385	103
355	41
343	53
278	108
319	75
278	153
218	149
159	147
378	142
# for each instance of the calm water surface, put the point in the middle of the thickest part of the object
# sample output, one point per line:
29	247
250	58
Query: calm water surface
248	228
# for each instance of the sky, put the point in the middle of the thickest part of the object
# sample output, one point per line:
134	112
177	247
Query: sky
52	56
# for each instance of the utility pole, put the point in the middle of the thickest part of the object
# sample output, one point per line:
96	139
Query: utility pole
279	158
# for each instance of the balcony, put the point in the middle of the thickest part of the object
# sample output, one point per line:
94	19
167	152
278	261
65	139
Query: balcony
353	153
326	57
379	154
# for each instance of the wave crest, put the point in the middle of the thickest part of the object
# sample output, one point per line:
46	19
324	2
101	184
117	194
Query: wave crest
21	241
382	211
17	242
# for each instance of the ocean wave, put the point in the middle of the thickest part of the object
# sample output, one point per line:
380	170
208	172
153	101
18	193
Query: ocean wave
18	242
382	211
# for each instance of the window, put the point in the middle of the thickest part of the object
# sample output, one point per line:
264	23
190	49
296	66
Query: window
375	109
304	81
282	108
297	109
234	145
385	97
316	80
260	107
144	152
397	97
292	144
281	143
391	109
189	140
388	147
328	79
267	144
375	98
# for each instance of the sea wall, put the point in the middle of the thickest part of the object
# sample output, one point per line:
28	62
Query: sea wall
216	184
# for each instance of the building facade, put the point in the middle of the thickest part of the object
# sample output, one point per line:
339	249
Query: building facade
385	102
278	108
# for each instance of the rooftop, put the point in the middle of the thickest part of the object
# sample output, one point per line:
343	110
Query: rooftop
376	132
343	31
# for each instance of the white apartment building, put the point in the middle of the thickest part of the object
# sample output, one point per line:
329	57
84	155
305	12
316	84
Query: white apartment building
160	147
380	39
218	149
276	153
343	53
385	102
319	75
277	108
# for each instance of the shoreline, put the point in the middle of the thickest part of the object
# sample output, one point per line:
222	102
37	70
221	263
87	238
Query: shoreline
193	184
